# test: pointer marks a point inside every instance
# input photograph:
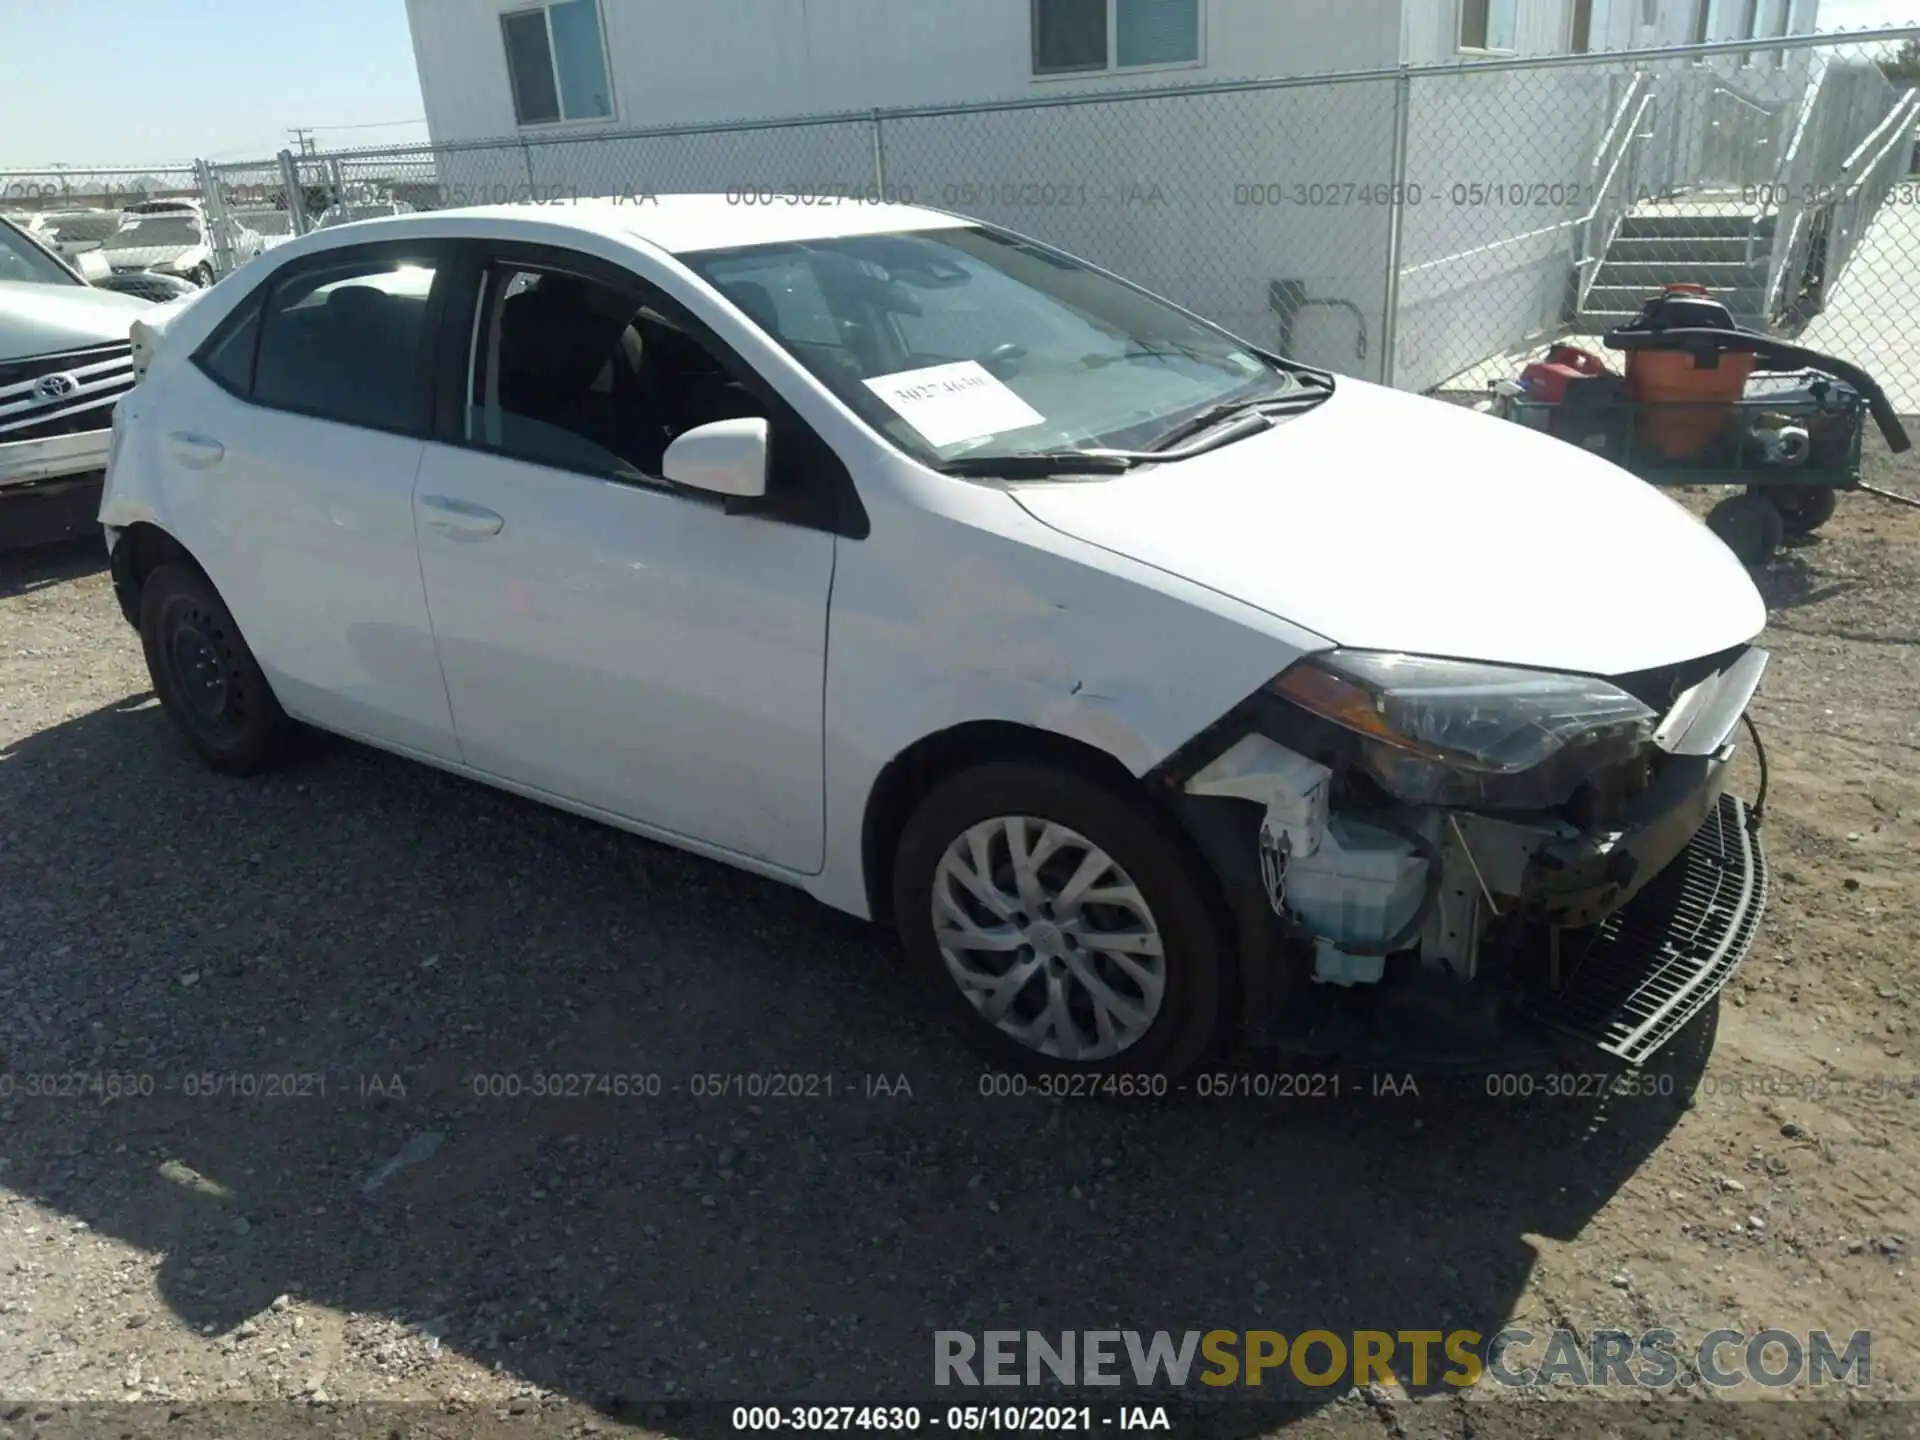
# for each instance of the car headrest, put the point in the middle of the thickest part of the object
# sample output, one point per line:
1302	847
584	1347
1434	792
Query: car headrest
552	339
757	301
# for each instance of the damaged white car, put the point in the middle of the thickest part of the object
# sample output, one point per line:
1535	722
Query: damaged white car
1161	691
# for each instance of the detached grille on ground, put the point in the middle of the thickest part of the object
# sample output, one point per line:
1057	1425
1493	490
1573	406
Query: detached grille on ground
1659	961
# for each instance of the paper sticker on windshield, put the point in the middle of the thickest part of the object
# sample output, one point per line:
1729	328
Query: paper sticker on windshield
951	403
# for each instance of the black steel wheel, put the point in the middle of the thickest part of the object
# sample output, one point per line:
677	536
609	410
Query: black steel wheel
207	679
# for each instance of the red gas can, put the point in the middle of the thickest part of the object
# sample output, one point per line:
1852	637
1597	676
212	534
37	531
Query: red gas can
1547	380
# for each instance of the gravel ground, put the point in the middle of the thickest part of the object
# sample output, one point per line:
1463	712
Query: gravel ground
331	992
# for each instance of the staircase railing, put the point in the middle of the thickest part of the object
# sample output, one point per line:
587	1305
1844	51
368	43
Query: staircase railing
1821	220
1792	229
1742	140
1870	172
1615	167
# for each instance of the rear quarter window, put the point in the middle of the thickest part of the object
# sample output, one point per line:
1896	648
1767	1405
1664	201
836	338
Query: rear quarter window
227	355
344	339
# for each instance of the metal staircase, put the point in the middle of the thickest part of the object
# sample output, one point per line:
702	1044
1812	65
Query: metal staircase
1707	240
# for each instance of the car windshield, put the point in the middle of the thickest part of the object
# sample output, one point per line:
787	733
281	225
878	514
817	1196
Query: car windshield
21	259
140	231
81	227
972	342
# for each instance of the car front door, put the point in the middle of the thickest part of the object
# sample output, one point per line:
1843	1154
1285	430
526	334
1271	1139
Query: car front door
291	444
606	638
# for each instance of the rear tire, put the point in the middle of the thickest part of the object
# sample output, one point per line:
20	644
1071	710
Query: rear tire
1102	954
207	679
1749	526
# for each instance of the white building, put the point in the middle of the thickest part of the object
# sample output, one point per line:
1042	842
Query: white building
503	67
1260	207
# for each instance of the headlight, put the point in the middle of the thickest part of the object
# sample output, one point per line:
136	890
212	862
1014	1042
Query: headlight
1451	732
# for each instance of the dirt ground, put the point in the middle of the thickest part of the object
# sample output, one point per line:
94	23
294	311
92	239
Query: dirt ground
304	1166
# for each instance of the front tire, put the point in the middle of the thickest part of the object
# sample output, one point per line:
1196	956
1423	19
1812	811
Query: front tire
203	276
207	679
1060	926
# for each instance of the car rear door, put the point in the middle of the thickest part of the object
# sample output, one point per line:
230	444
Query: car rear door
606	638
290	448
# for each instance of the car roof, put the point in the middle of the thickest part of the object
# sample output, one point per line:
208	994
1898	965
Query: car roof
681	224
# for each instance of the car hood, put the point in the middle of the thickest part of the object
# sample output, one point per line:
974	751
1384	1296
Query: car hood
146	257
40	319
1385	521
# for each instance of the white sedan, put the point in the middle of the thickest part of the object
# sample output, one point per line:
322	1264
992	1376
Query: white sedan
1160	690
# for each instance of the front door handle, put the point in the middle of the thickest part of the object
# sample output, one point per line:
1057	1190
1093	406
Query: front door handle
199	451
460	518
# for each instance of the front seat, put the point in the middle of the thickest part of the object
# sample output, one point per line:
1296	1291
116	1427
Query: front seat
553	346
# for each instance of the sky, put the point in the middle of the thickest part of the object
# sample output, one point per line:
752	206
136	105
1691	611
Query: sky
92	82
113	81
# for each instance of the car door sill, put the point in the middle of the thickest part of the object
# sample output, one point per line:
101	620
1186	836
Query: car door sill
736	858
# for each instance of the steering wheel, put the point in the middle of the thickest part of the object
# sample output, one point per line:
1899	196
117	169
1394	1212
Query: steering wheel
1007	355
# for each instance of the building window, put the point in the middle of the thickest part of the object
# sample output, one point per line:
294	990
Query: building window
1581	40
1488	24
1750	28
556	63
1075	36
1703	18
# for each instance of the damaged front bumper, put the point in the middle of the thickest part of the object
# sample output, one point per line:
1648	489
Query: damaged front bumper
1658	961
1617	932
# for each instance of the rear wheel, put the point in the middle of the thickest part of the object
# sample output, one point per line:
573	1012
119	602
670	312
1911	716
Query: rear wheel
1060	927
207	679
1749	526
1803	508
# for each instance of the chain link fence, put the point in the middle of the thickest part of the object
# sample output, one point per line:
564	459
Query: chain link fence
1428	227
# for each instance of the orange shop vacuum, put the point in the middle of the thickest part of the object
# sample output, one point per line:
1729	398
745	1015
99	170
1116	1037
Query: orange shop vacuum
1690	387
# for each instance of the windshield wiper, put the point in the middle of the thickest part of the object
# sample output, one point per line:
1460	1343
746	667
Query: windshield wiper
1042	464
1265	410
1227	423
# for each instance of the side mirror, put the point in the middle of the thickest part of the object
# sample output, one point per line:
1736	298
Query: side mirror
727	457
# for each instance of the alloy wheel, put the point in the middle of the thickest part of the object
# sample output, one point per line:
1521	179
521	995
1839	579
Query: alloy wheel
1048	938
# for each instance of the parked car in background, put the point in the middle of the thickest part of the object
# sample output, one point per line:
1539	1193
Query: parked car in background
73	233
64	360
1176	691
175	237
147	284
346	214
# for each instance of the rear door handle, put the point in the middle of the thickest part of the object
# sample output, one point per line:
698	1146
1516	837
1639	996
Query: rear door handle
199	451
460	518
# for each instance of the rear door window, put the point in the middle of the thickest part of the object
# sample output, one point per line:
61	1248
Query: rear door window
347	340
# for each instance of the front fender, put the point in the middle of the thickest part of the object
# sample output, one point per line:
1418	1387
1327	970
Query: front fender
995	618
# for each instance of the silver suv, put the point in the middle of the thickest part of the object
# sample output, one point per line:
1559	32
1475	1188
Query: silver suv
65	358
